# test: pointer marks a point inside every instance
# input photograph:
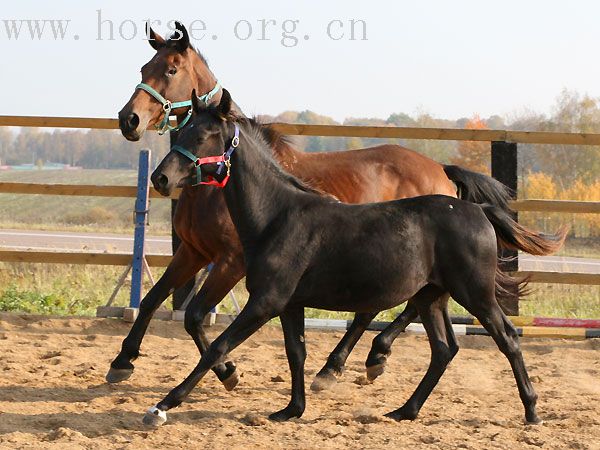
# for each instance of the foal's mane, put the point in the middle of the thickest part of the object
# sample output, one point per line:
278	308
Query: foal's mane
262	137
267	138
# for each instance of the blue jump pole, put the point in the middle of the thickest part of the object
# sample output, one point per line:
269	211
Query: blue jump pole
141	219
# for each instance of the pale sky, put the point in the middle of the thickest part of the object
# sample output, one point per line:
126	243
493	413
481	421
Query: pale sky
449	58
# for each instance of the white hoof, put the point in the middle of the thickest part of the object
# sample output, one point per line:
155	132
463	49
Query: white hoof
154	417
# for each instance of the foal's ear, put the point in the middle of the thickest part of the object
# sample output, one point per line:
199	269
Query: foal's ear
183	41
197	105
155	40
225	103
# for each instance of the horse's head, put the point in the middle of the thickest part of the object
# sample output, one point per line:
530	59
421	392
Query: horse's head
167	80
201	154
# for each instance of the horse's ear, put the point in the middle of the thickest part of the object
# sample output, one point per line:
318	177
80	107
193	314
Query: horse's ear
196	102
154	39
225	103
183	42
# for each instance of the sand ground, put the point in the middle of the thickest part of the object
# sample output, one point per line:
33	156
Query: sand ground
53	394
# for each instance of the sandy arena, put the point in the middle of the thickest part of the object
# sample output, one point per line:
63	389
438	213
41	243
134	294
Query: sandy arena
53	394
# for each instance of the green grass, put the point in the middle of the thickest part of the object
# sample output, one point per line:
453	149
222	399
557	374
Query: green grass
78	290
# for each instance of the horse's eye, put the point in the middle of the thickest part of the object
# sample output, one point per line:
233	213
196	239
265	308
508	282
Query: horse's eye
172	71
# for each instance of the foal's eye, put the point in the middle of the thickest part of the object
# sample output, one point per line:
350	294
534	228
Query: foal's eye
172	71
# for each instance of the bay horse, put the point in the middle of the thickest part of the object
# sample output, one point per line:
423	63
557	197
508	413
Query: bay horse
381	173
303	249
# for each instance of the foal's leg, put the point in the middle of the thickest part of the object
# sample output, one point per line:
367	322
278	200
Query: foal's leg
337	359
292	321
381	348
222	278
493	319
432	315
185	263
255	314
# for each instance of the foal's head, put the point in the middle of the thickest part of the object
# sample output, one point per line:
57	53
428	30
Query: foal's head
209	134
174	71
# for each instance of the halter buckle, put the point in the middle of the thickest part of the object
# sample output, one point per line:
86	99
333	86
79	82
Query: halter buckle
167	106
235	141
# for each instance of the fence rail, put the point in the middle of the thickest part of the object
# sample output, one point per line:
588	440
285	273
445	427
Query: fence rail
447	134
87	190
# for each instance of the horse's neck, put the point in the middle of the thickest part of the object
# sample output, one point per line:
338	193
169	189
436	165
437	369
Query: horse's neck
257	191
286	155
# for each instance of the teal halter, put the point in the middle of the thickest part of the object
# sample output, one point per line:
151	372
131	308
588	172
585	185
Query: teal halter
168	106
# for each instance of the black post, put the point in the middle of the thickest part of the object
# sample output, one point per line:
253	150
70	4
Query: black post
180	294
504	169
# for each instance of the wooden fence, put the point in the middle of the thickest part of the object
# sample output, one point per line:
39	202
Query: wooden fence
504	153
444	134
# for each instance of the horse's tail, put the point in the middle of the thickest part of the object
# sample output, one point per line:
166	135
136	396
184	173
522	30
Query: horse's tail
508	287
478	188
514	236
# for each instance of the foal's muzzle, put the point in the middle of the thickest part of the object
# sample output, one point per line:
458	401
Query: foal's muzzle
161	183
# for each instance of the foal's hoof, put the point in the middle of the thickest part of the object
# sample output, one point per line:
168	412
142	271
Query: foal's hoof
535	420
118	375
285	414
154	417
231	381
402	414
323	382
374	371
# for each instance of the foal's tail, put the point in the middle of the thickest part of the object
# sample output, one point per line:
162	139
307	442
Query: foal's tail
514	236
478	188
508	287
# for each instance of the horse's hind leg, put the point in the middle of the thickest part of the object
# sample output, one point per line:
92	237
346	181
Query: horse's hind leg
493	319
337	359
432	312
222	278
185	263
381	347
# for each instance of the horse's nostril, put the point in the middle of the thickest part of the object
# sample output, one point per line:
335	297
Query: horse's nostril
133	121
160	181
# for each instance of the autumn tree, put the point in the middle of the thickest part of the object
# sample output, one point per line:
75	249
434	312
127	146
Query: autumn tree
573	113
472	154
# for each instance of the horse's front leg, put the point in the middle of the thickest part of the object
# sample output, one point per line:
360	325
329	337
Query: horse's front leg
257	312
185	263
334	367
292	321
225	274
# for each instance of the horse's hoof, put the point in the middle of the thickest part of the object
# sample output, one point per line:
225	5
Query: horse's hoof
323	382
374	371
285	414
118	375
231	381
402	414
154	417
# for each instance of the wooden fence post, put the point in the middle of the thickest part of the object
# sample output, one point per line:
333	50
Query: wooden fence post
504	169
